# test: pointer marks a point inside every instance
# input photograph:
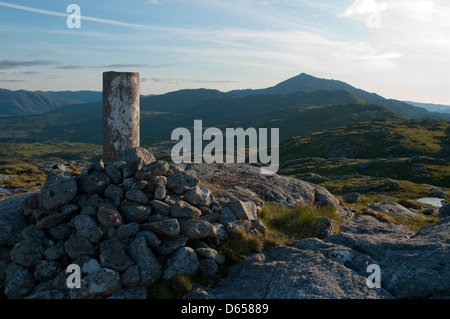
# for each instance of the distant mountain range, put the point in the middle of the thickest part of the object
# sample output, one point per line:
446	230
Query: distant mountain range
441	108
298	106
37	102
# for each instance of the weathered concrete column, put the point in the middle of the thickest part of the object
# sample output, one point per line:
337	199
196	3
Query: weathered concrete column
121	112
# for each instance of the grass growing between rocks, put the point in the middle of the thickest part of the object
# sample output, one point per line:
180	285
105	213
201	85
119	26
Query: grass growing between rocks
22	176
296	222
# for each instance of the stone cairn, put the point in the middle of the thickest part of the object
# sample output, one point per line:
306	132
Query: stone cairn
126	224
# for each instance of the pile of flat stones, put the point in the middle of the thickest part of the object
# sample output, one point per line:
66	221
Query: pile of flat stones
126	224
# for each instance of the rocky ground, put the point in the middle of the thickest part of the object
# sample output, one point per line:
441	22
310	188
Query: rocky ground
126	247
413	264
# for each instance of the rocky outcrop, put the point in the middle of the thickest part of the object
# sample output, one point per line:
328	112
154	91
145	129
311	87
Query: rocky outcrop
126	224
413	265
272	188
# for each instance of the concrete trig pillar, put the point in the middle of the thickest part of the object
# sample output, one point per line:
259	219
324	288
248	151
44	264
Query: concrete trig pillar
121	112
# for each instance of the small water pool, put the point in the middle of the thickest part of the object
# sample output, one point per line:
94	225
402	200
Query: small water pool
433	201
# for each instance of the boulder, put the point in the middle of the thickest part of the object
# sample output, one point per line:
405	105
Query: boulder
102	283
12	220
353	198
199	196
182	209
181	182
113	256
59	189
183	261
94	183
196	229
149	267
444	211
134	158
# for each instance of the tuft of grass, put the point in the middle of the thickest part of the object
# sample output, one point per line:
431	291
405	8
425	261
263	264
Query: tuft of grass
24	175
174	288
296	222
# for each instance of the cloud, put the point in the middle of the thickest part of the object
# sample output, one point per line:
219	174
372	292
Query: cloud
83	17
14	64
12	81
178	81
114	66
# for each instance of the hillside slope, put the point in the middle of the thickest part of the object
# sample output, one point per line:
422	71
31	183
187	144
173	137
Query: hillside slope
307	83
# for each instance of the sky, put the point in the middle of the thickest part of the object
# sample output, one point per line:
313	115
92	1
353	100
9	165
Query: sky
399	49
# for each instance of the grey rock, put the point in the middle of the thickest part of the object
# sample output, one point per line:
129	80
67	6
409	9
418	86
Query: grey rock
94	183
55	252
159	207
324	226
181	181
195	229
108	216
208	266
354	198
199	196
131	277
27	252
227	216
11	219
113	256
220	232
183	261
114	192
114	174
33	232
88	265
413	265
136	195
211	217
78	246
170	245
183	209
49	219
292	273
19	281
155	181
155	168
47	270
243	210
444	211
102	283
128	183
87	227
275	188
130	293
167	227
61	231
59	189
259	226
135	212
149	267
160	192
125	231
135	159
238	225
211	254
394	208
150	237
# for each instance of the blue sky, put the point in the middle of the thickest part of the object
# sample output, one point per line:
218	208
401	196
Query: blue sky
397	48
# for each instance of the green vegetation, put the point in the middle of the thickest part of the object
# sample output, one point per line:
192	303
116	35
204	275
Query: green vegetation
296	222
22	176
13	153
